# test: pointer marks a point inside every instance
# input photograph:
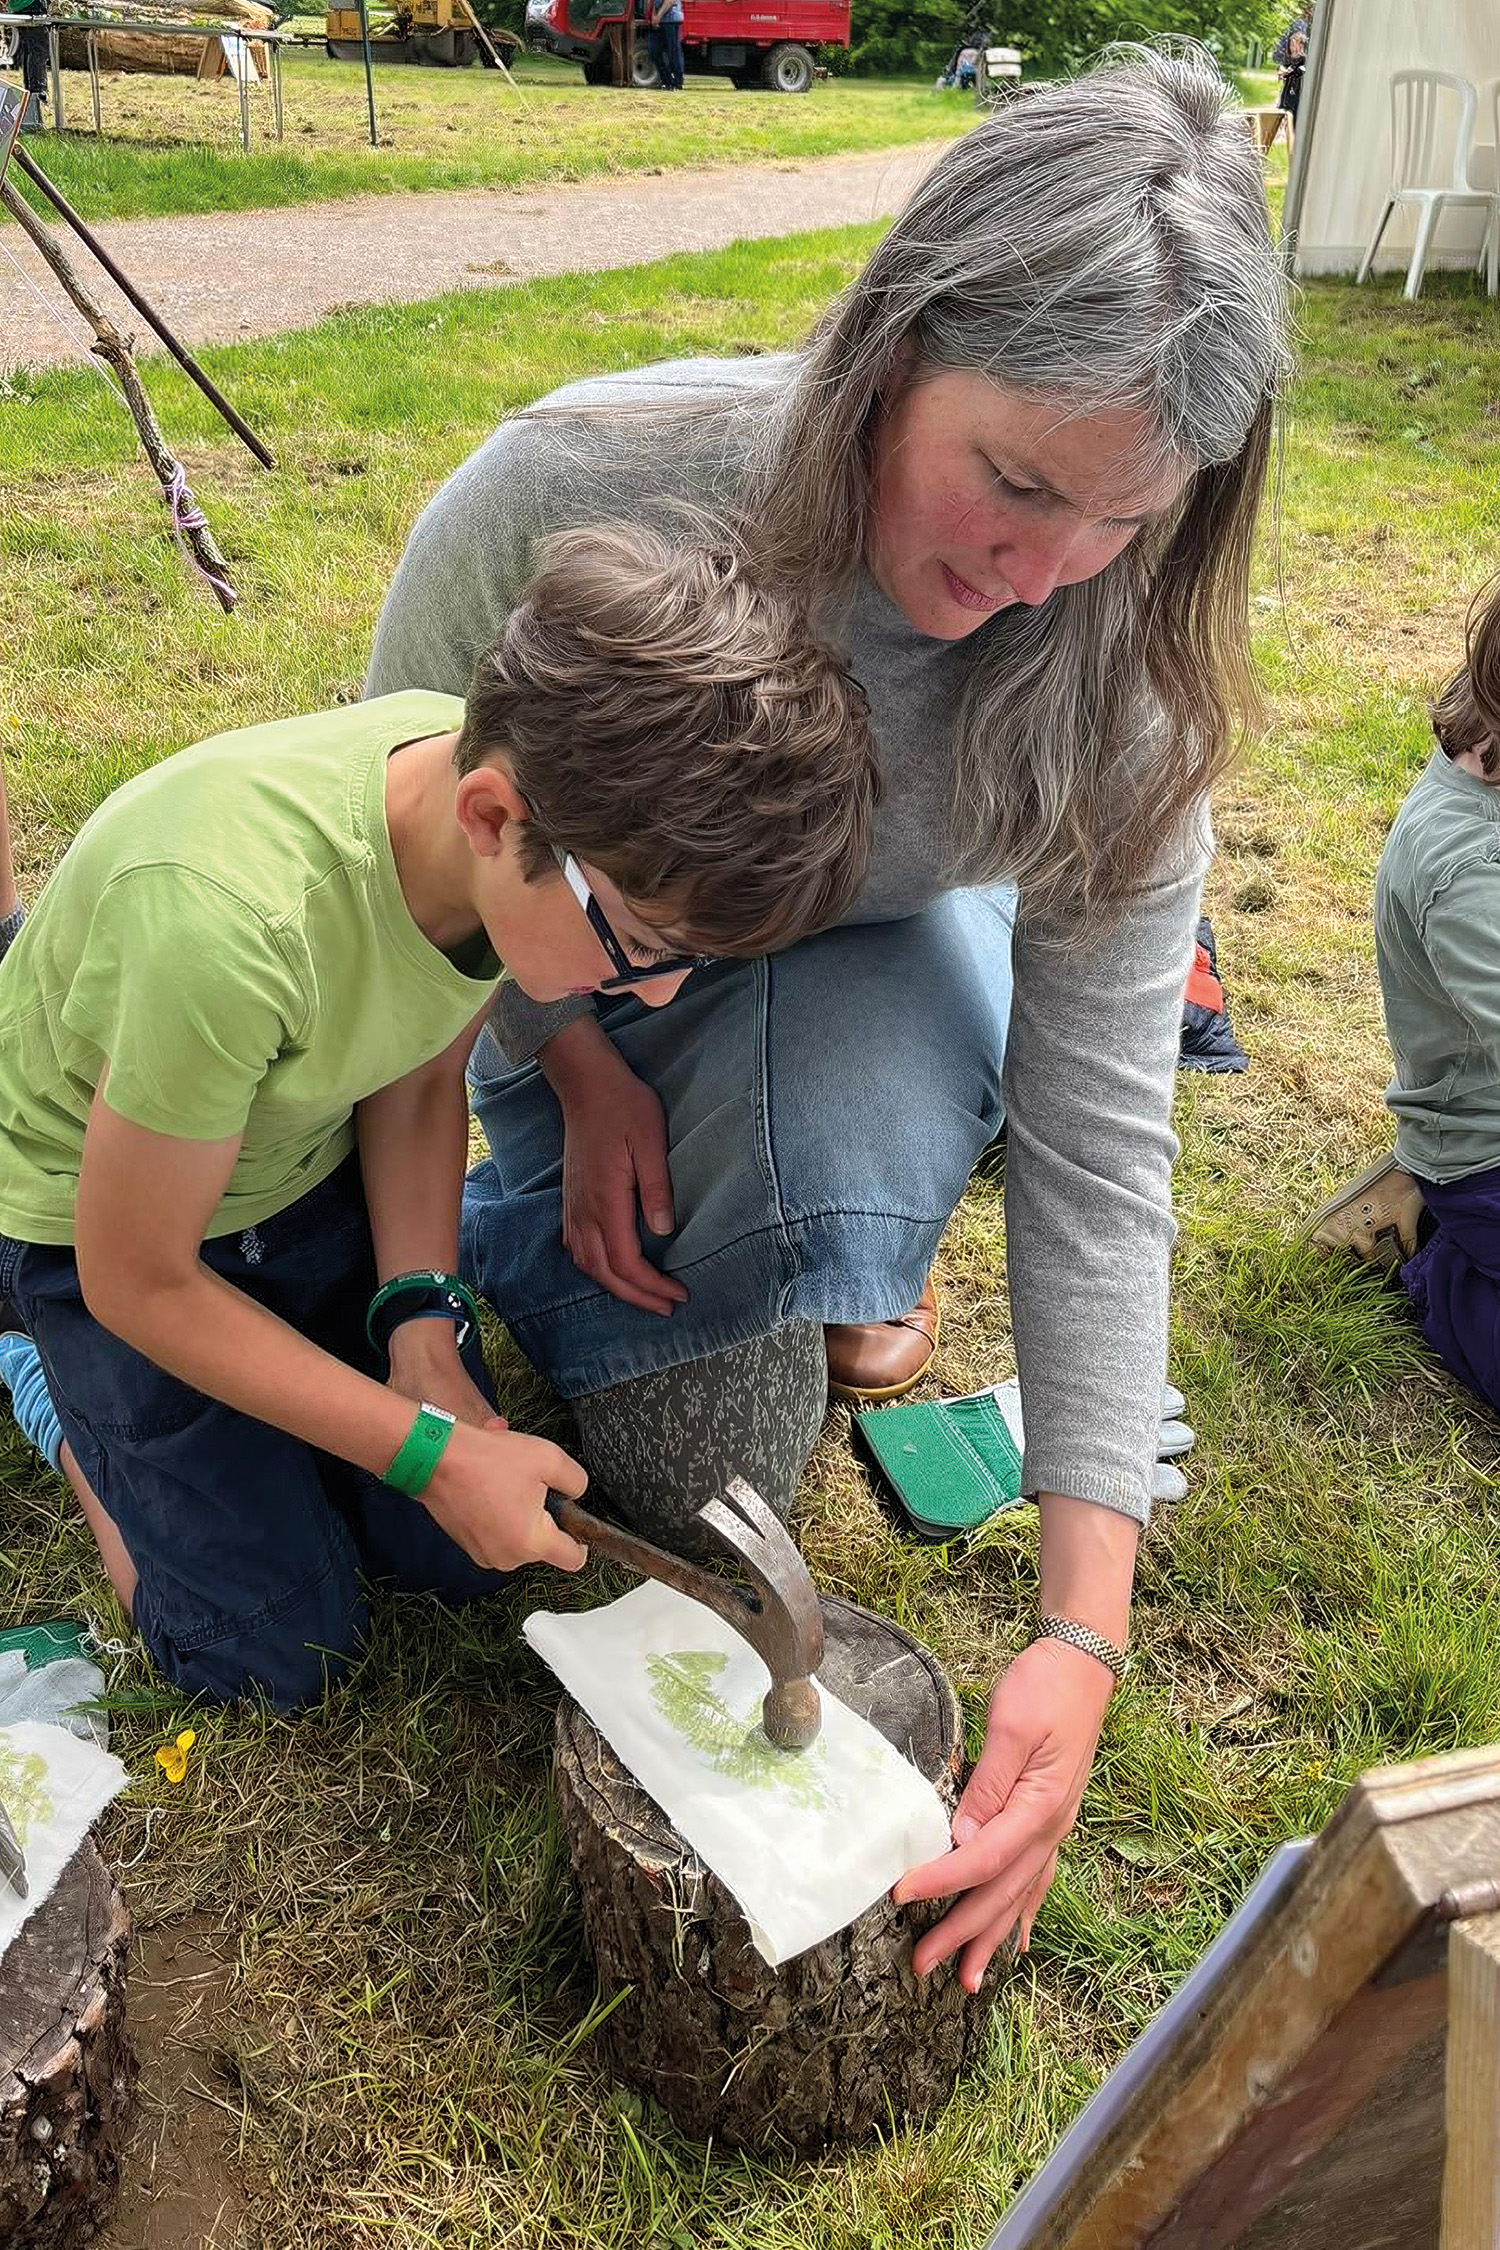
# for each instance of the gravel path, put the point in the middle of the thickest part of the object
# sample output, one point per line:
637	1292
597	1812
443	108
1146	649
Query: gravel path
252	273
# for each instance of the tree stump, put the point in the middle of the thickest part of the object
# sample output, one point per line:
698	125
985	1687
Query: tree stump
67	2065
834	2043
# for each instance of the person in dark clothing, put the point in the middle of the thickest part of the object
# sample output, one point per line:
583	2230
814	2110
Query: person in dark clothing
34	63
1290	57
666	27
1291	78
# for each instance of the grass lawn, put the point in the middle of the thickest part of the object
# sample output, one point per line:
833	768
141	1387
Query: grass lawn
391	2044
172	144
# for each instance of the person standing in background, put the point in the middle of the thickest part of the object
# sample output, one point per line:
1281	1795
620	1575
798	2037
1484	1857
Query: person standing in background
666	41
1290	57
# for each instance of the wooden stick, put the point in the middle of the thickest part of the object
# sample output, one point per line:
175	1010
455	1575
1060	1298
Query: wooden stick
187	521
488	44
1471	2171
184	359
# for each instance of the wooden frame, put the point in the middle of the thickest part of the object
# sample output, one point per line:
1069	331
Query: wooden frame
1330	2074
1265	126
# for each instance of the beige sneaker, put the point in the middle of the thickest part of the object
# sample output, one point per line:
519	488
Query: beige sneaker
1374	1217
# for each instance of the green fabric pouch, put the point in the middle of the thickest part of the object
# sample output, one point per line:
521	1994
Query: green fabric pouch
45	1644
942	1466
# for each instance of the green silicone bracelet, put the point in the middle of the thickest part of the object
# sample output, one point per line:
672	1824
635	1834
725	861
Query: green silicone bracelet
424	1295
421	1451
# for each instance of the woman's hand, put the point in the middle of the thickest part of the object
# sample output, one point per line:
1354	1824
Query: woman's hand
614	1166
1021	1801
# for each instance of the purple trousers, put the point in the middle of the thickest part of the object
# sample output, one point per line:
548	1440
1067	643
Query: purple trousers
1454	1280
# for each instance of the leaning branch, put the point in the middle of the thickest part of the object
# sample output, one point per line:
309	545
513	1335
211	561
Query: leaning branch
189	527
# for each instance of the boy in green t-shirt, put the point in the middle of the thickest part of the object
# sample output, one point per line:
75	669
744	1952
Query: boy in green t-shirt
232	1043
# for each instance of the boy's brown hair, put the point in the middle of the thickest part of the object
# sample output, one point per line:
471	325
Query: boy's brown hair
677	724
1466	716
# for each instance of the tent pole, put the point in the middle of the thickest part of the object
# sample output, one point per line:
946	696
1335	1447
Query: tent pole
364	35
1302	135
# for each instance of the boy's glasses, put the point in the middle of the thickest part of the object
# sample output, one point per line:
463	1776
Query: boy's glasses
627	972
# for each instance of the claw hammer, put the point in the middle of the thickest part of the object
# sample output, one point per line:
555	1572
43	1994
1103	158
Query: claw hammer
772	1605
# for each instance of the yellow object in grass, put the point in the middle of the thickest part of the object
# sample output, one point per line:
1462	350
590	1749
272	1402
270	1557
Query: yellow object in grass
172	1757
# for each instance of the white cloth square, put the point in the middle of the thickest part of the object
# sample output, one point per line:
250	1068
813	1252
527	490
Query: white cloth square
54	1788
805	1840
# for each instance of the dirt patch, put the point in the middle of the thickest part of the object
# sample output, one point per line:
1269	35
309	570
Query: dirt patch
182	2188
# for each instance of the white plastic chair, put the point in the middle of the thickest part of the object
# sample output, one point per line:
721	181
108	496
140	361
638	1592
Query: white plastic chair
1489	96
1430	166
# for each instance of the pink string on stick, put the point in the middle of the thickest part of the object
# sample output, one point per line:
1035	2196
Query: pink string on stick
188	516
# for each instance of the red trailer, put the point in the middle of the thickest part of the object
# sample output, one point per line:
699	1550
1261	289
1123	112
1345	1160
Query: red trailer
764	44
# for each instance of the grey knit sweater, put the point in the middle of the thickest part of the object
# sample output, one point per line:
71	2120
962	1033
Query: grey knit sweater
1093	1040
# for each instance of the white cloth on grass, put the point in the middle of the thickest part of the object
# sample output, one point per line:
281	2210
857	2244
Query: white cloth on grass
54	1788
804	1840
66	1693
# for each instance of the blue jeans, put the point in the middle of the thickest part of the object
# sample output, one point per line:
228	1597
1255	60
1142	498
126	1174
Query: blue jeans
669	61
825	1107
250	1546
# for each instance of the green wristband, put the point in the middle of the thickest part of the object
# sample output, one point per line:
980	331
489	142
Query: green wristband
426	1295
411	1471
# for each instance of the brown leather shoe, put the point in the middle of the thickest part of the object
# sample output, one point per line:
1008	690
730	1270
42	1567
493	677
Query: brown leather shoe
870	1360
1374	1217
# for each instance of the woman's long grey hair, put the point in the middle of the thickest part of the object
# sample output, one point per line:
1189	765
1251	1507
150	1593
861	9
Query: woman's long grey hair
1098	244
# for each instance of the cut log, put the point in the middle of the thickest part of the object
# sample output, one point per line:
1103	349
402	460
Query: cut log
835	2043
67	2065
161	54
165	54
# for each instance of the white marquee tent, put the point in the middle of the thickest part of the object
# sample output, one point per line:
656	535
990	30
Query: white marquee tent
1341	163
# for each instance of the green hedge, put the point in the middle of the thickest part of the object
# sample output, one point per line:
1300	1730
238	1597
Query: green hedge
1054	36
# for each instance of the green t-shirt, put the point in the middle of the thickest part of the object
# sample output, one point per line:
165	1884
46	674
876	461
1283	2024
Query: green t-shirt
229	934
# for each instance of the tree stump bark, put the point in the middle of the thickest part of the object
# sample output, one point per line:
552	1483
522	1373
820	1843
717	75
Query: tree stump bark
67	2065
834	2043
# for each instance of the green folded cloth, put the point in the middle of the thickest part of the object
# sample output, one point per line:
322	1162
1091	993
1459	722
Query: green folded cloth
47	1643
943	1466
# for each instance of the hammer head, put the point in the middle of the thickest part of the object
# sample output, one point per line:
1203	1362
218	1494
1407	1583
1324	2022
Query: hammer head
779	1614
769	1601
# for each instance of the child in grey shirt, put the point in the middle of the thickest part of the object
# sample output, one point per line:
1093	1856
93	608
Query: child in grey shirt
1437	944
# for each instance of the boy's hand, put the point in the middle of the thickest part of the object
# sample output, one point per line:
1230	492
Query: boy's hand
489	1493
614	1163
494	1507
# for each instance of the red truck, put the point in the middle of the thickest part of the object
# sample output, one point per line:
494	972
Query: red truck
756	44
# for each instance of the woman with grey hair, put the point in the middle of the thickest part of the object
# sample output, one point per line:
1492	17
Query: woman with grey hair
1017	468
